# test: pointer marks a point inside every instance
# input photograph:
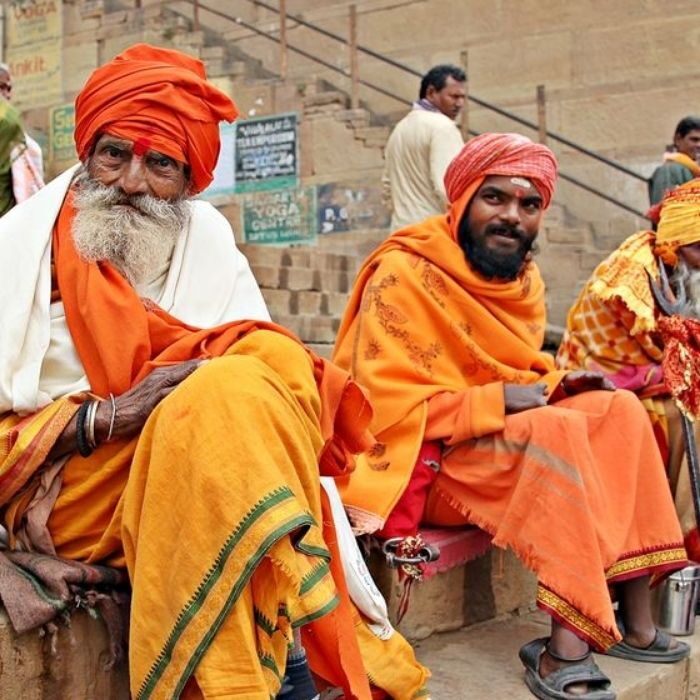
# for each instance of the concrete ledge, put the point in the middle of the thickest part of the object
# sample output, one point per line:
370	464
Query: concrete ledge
69	666
482	662
489	586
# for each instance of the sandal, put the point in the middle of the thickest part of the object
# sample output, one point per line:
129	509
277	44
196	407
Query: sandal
658	652
553	687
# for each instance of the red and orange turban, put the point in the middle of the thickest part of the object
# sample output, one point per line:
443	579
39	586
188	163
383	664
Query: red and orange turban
512	155
679	221
160	98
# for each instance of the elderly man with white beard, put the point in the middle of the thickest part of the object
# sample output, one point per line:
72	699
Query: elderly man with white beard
157	428
617	327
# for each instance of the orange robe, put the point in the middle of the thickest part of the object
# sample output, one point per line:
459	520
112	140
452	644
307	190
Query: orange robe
575	489
215	508
612	328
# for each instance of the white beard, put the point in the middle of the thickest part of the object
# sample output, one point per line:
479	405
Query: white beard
688	278
138	239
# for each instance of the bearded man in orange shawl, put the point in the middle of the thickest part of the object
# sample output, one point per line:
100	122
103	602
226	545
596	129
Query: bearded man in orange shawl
617	327
444	328
144	425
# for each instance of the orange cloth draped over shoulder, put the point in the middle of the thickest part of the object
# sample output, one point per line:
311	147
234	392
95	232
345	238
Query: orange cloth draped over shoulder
576	489
161	99
435	351
120	341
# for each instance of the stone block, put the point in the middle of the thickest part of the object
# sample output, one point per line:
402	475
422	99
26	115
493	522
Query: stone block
332	281
568	234
267	276
69	666
435	605
333	303
280	302
309	302
297	278
497	584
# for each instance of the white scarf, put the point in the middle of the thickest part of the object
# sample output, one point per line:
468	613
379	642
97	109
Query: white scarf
209	282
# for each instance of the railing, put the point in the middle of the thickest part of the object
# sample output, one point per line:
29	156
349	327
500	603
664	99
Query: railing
355	48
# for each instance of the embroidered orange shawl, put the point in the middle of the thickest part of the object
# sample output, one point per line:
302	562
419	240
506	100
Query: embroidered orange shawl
464	333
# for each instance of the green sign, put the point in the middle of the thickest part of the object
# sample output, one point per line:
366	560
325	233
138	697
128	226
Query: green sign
61	142
266	153
280	217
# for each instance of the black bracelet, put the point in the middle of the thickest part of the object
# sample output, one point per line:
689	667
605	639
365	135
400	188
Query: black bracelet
81	439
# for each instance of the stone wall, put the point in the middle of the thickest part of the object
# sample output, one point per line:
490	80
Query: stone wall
615	75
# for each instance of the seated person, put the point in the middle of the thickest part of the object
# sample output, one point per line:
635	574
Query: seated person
614	328
444	328
145	427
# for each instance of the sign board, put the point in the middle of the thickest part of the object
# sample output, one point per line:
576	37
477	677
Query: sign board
34	31
267	153
62	125
351	206
280	217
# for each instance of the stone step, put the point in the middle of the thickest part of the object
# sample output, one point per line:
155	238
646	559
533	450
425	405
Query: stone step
357	118
490	584
306	257
373	135
69	665
311	329
285	302
482	662
325	98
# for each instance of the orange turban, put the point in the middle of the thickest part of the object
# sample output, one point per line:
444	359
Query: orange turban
160	98
679	222
512	155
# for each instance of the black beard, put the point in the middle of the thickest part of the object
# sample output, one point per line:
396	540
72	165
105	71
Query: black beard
493	264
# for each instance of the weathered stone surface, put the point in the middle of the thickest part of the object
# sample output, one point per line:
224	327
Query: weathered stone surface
482	662
69	666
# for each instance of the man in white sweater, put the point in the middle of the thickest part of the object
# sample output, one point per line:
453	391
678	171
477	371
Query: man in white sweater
421	147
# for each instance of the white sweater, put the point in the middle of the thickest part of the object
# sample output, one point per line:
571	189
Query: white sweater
417	154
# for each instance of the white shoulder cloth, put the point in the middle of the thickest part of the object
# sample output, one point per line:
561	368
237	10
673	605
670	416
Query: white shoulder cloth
209	283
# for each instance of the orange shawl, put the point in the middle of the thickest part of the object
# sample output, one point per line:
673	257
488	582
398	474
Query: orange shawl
120	339
421	322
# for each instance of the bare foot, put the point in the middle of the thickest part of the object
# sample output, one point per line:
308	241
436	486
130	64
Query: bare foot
548	664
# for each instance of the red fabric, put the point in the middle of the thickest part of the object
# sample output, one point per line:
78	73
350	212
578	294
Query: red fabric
457	546
502	154
408	512
160	96
692	545
681	361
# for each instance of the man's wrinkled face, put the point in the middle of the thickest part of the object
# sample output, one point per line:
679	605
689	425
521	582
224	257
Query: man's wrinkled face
689	144
130	208
500	226
450	99
136	169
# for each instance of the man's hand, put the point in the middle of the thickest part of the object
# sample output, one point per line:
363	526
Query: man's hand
134	406
521	397
580	381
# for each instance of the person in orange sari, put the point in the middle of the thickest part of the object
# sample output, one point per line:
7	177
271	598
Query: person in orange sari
153	419
615	327
444	329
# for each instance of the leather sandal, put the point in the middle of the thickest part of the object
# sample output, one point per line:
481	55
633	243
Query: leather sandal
659	651
553	687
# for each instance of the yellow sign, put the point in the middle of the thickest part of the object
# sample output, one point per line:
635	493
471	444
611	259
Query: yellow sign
34	44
